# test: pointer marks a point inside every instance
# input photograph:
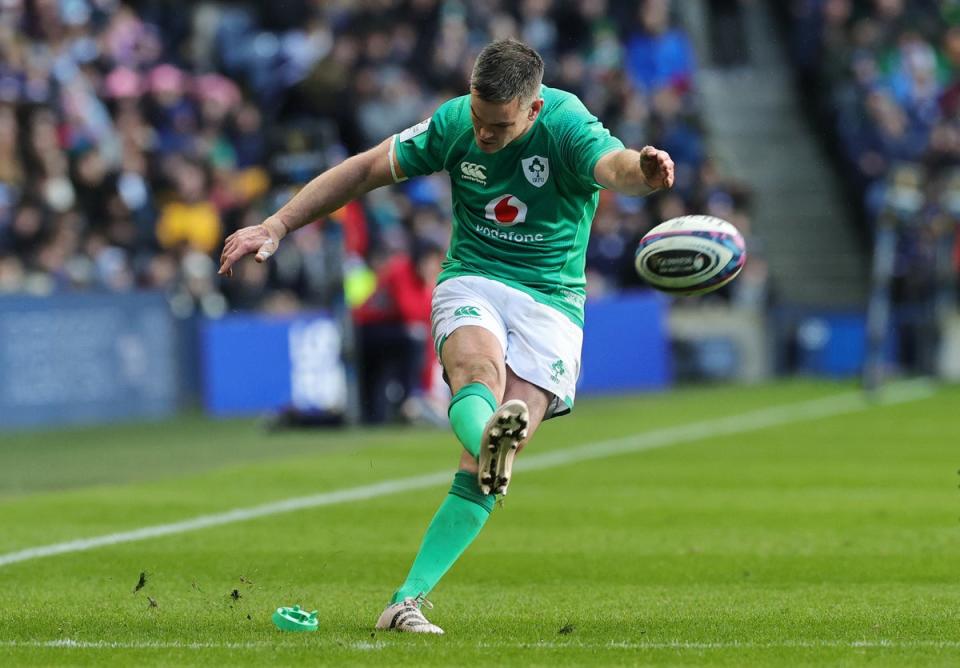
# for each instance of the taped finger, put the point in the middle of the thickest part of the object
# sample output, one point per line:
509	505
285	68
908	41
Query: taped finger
266	250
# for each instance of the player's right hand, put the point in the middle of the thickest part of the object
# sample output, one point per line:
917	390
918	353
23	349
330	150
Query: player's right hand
261	239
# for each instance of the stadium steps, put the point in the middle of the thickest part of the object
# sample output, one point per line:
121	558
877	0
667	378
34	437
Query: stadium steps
758	135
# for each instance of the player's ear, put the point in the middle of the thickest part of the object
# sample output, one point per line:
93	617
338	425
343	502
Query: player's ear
535	109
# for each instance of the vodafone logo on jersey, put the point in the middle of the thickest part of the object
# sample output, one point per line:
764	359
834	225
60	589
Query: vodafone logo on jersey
506	210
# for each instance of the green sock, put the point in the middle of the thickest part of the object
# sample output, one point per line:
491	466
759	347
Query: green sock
470	408
458	521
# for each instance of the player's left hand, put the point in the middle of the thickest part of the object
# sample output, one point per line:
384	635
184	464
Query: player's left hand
657	167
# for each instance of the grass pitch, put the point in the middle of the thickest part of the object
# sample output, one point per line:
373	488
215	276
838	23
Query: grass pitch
790	536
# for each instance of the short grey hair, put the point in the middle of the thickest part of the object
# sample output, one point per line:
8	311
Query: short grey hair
505	70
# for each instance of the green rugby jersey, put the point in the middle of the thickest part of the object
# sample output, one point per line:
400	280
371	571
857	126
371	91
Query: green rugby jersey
521	215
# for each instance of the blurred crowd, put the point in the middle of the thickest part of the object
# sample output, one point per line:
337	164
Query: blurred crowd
135	135
885	77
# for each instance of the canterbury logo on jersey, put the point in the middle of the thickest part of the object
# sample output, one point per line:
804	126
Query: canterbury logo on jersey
467	312
506	210
473	172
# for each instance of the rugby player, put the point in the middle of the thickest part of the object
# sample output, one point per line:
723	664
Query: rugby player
526	164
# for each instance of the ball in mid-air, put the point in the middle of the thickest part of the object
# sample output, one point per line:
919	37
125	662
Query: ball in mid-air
691	255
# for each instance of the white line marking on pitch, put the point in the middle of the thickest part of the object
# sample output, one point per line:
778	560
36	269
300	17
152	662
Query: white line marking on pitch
365	645
734	424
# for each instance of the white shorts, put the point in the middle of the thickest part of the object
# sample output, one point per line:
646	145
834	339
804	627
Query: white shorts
540	344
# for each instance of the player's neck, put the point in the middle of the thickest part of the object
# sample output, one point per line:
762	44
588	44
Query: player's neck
524	134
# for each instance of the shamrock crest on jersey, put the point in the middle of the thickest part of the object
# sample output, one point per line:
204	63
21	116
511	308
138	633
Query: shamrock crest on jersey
536	169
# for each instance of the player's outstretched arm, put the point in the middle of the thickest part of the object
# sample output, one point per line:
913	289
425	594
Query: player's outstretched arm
632	172
326	193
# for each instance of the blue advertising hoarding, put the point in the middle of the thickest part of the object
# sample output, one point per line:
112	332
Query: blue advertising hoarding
253	363
81	359
625	344
835	343
84	359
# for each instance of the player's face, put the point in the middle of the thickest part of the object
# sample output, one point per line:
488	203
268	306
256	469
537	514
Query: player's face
496	124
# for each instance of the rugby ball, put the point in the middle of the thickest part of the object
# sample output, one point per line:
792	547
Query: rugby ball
691	255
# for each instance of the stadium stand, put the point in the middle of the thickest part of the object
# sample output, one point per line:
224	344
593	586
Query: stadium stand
882	80
133	138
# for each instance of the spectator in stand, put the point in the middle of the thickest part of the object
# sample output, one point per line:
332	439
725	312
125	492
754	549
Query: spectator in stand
189	220
393	332
659	55
11	170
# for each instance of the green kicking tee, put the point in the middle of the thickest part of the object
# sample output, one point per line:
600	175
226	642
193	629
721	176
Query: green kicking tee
521	215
